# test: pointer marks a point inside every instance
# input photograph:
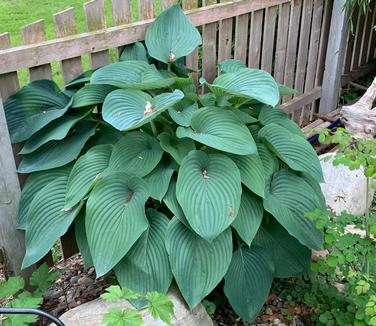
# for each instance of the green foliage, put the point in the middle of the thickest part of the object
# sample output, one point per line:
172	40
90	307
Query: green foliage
158	304
13	295
164	183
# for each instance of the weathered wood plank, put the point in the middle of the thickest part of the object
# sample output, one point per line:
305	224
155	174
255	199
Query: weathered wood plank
358	73
69	244
146	9
73	46
351	40
32	34
255	39
302	100
281	46
366	38
167	3
65	24
225	39
268	39
372	44
334	58
95	20
360	27
241	37
121	12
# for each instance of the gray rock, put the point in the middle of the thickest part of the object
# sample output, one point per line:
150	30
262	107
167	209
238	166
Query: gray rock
91	313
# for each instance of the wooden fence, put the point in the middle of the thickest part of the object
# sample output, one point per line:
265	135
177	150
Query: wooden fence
288	38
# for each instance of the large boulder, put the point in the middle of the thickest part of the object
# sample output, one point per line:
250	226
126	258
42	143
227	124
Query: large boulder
91	313
344	190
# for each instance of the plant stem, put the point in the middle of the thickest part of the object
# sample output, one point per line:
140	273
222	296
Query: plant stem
366	217
169	66
153	128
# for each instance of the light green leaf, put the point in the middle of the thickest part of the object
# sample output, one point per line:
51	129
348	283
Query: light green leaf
269	161
251	171
91	95
57	153
11	286
288	199
209	190
136	154
294	150
81	238
177	148
171	36
231	65
43	278
146	268
127	109
248	280
182	112
84	173
249	217
112	232
220	129
33	107
56	130
115	292
122	317
198	266
34	183
135	51
244	116
160	306
47	220
285	90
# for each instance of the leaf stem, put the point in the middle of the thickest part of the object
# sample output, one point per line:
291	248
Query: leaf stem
153	128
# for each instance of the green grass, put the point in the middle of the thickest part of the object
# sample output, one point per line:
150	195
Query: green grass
14	14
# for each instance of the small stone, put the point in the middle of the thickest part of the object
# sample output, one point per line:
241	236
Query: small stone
74	279
52	294
85	281
268	311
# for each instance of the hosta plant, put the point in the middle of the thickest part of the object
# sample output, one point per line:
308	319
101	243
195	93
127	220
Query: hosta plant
162	182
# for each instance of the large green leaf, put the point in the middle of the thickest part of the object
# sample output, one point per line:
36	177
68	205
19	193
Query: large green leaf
288	199
249	217
115	218
146	267
33	107
34	183
248	280
209	191
171	36
177	148
91	95
220	129
128	109
269	161
57	153
159	179
251	171
289	256
250	83
294	150
182	112
56	130
80	80
84	173
231	65
81	238
198	266
136	154
47	220
135	51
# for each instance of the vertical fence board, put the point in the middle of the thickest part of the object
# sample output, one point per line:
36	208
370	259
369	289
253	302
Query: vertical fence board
281	46
31	34
121	14
366	38
360	26
372	41
255	39
268	39
146	9
95	20
167	3
351	40
241	38
225	39
65	25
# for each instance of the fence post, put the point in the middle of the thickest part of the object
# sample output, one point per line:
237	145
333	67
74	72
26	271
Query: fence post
11	240
335	56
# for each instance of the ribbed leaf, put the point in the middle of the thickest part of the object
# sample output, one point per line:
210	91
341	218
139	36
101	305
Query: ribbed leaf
182	112
35	183
248	280
171	36
115	218
136	154
289	256
81	239
47	221
245	117
285	90
135	51
198	266
127	109
278	116
249	217
252	172
209	190
146	267
250	83
269	161
33	107
57	153
231	65
80	80
56	130
84	173
91	95
288	199
294	150
159	179
177	148
220	129
106	135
